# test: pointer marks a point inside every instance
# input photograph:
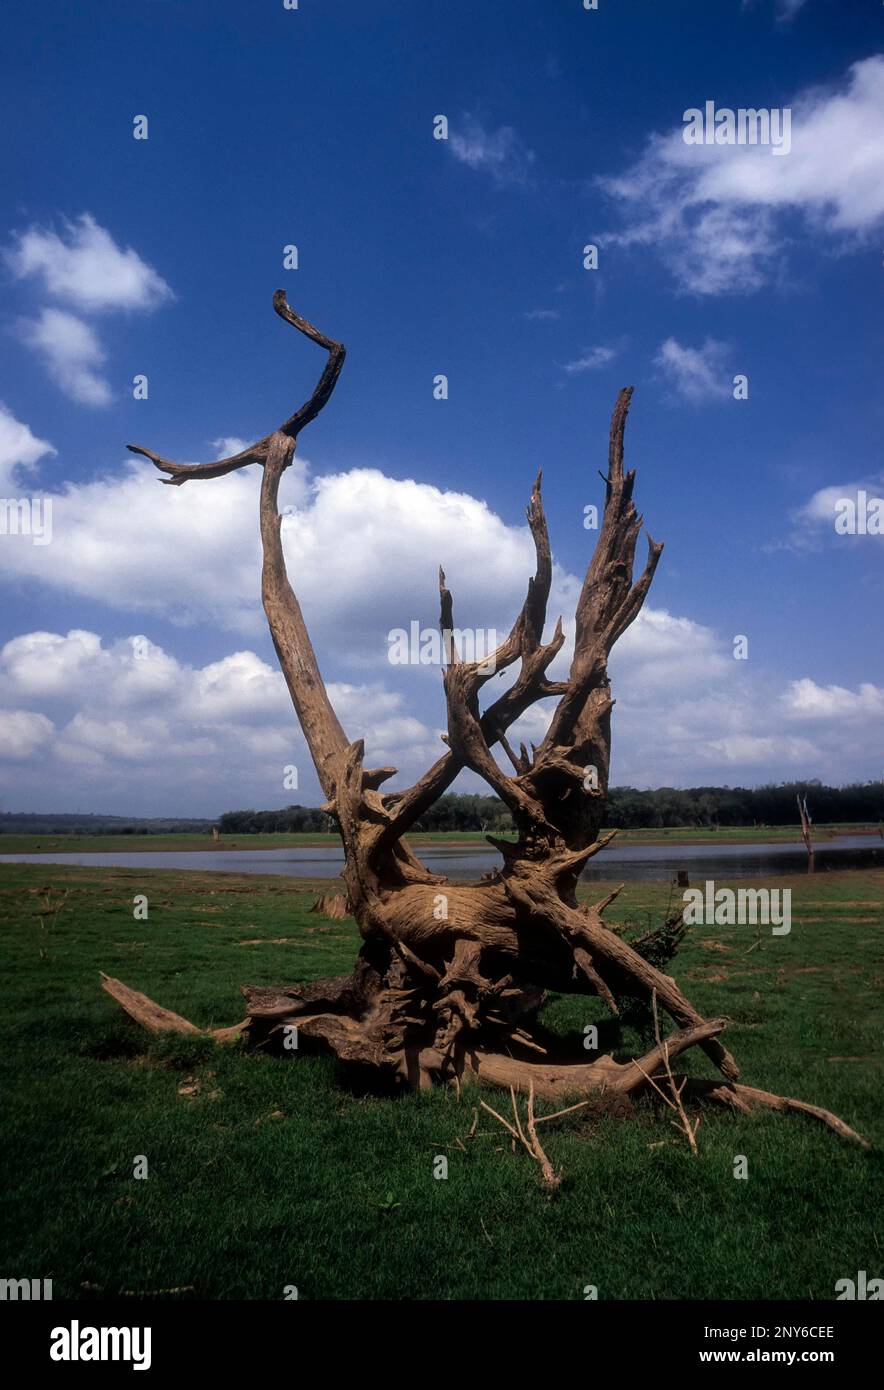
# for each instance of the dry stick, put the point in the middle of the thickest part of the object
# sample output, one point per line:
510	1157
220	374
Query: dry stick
581	1105
551	1178
674	1102
530	1142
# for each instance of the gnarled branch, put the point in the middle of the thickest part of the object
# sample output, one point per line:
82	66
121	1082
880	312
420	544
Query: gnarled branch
291	428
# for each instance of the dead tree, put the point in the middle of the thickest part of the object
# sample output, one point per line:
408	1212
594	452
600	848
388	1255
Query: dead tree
450	978
806	833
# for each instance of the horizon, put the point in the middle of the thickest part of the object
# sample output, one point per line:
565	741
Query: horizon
806	783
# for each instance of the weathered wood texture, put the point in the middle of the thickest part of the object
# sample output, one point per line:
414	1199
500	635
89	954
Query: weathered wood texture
450	977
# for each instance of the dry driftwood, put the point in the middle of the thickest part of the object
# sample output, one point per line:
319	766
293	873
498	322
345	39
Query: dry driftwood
331	905
448	996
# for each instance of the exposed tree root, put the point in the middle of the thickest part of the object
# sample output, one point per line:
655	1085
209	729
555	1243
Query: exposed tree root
144	1010
360	1042
746	1098
450	977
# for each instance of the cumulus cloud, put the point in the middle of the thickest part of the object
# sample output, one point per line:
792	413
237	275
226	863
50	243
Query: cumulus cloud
697	374
23	733
150	733
127	541
716	213
85	267
19	448
145	731
72	353
501	153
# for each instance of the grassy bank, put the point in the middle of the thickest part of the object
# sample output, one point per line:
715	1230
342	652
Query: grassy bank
265	1172
727	835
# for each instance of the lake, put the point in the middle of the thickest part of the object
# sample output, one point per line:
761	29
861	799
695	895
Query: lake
629	861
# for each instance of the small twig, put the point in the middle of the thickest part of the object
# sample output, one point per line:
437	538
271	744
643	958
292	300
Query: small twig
506	1124
530	1142
674	1100
518	1119
542	1119
551	1178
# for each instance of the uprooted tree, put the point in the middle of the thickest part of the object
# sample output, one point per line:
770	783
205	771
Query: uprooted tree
451	977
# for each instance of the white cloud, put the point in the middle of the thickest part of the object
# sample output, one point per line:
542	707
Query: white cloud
45	663
805	700
714	212
500	153
697	374
593	359
750	751
85	267
127	541
147	732
239	686
23	733
19	447
664	652
193	553
228	445
541	315
814	522
72	354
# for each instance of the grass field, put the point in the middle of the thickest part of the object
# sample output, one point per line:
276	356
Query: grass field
728	835
267	1172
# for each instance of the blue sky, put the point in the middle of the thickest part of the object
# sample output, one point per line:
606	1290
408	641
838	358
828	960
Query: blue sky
461	256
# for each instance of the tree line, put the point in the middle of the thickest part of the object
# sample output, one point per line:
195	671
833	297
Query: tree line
628	808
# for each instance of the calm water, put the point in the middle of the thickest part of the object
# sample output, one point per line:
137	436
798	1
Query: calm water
627	861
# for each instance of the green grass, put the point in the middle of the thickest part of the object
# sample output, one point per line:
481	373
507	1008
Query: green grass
96	844
266	1171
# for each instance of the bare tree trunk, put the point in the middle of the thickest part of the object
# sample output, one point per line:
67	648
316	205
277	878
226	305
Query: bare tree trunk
806	834
450	977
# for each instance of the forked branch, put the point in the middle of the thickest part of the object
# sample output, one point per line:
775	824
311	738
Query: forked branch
322	729
291	428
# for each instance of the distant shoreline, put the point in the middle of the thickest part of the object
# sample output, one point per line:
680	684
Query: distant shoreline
182	842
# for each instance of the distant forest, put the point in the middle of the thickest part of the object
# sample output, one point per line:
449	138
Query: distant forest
862	803
79	823
628	809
